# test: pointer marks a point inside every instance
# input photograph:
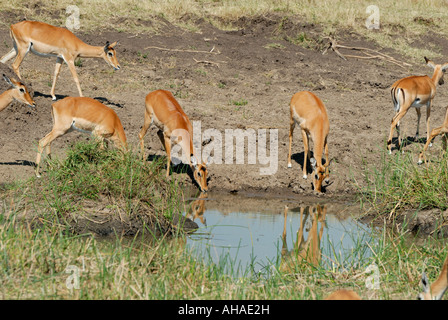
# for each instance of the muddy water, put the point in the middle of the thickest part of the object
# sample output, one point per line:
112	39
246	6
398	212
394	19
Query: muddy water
253	234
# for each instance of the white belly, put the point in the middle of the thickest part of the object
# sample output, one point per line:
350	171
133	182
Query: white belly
417	104
42	51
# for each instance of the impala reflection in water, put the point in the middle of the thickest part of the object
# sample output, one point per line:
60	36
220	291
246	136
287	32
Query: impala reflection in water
248	233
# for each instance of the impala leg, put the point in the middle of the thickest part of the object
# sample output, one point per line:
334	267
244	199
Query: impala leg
291	131
45	142
419	114
57	69
22	50
71	66
395	121
168	154
141	135
428	114
435	132
327	159
305	152
166	142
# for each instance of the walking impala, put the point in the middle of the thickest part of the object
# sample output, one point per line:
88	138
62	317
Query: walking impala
415	91
49	41
436	290
435	132
164	111
311	115
86	115
17	92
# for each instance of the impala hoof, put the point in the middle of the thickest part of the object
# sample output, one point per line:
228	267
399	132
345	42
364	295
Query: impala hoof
289	165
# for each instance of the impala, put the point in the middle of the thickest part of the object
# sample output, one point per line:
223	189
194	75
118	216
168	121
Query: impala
85	115
17	92
308	250
436	290
197	208
435	132
49	41
310	113
164	111
414	91
343	294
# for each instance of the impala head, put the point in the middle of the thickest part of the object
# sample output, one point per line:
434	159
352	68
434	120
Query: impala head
20	92
320	173
439	69
200	173
110	55
426	293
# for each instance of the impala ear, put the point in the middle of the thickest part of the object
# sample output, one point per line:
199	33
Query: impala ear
194	161
328	164
425	283
114	44
313	163
8	81
106	47
430	63
444	66
209	160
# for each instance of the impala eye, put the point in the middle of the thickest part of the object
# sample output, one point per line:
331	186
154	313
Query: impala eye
110	54
22	90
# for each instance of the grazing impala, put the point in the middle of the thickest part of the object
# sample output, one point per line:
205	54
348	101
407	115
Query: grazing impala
49	41
414	91
164	111
311	115
438	287
435	132
86	115
17	92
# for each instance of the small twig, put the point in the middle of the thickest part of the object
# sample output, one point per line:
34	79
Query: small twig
184	50
207	62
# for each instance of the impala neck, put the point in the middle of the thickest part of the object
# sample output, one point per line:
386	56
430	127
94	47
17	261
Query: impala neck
438	73
5	99
88	51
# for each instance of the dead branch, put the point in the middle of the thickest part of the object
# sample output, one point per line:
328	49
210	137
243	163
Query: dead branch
368	53
212	51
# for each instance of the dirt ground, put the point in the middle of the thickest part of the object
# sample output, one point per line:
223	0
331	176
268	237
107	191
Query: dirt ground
255	63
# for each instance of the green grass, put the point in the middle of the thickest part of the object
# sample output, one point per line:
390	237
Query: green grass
124	186
398	182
